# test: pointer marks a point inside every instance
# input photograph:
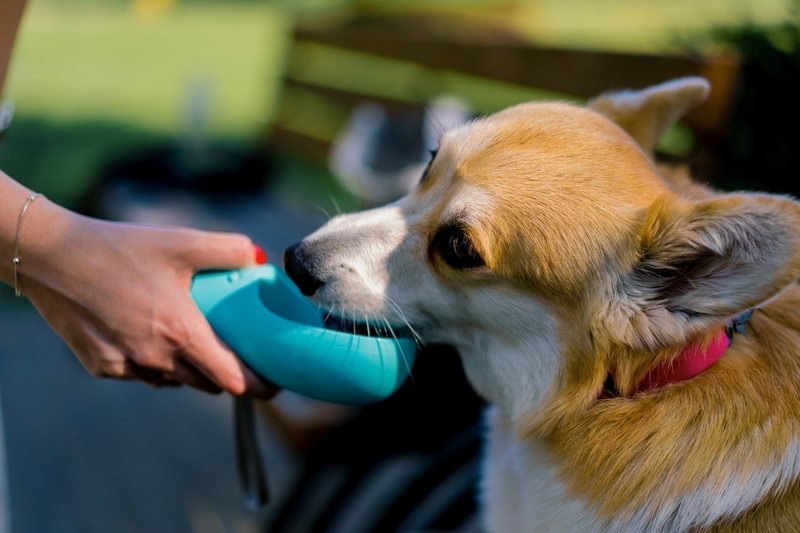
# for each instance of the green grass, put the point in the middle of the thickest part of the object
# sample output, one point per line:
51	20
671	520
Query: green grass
105	62
92	80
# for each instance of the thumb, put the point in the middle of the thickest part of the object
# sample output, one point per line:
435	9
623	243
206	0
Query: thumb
223	251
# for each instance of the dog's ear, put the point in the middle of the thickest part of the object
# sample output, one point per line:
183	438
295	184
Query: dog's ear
701	263
647	113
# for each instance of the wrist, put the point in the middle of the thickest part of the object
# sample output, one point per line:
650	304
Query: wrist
13	198
42	243
17	259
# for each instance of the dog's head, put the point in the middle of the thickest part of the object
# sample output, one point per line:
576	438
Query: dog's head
547	247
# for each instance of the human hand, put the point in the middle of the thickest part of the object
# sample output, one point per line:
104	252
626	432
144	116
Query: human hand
118	295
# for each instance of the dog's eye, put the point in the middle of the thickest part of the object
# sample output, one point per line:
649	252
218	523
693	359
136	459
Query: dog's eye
456	249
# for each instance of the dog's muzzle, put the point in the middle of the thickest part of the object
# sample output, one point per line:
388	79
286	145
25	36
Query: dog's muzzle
298	268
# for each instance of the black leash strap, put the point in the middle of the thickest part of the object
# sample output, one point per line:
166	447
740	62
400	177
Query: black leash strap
248	458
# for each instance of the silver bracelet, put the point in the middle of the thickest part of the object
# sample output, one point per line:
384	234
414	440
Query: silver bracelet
17	285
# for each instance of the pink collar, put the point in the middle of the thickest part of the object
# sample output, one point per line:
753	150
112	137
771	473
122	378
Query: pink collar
692	361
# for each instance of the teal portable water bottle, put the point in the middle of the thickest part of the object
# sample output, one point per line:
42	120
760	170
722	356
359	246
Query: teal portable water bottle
262	316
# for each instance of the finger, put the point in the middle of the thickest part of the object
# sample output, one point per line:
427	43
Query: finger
208	355
101	359
149	376
256	387
223	251
171	371
184	372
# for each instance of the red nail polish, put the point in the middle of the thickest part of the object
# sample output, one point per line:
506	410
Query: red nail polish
261	256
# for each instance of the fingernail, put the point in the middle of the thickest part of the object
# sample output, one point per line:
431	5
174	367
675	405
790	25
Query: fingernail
261	256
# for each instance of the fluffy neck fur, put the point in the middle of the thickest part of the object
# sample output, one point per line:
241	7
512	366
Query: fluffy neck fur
720	452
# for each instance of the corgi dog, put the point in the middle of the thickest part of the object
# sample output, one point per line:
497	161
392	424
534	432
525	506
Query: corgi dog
636	334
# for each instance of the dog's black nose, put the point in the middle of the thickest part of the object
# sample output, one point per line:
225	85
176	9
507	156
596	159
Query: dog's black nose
296	266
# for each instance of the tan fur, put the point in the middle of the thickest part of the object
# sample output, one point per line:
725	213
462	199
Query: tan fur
622	452
596	261
536	167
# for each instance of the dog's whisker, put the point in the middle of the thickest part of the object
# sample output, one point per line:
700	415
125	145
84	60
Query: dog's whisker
386	328
324	211
400	346
417	336
329	314
336	205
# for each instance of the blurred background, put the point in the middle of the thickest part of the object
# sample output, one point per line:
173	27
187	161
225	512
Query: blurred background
268	116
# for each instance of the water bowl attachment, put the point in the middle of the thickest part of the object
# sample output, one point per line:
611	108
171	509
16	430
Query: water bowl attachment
262	316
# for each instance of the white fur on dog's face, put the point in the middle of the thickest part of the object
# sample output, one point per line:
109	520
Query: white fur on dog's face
377	266
497	185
